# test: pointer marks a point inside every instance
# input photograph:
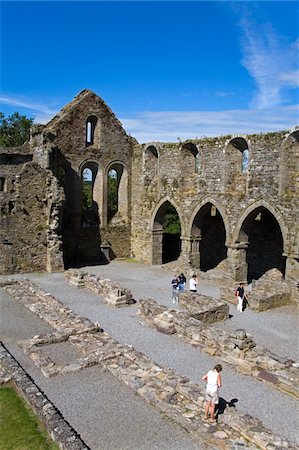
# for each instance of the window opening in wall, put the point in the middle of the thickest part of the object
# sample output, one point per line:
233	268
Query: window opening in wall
112	193
87	188
245	160
192	153
88	133
91	123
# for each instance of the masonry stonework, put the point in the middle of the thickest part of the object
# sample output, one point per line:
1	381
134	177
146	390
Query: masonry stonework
236	198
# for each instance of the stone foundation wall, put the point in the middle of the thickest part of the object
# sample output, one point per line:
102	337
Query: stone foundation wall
174	396
236	348
113	293
204	308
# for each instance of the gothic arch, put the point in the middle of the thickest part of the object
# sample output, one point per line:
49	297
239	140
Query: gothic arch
262	234
208	234
166	245
254	206
221	210
158	206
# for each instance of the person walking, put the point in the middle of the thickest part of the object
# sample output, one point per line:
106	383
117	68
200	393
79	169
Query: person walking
193	282
240	294
175	289
214	382
182	282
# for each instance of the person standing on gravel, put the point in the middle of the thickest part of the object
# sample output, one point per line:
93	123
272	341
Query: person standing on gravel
214	382
175	289
193	282
240	294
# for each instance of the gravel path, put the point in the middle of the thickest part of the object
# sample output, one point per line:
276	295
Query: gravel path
254	397
106	413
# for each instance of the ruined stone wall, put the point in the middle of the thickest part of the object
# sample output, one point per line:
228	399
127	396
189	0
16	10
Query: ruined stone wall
66	139
221	182
219	203
26	211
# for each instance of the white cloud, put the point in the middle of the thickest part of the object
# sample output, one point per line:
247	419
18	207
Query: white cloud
41	112
271	60
170	125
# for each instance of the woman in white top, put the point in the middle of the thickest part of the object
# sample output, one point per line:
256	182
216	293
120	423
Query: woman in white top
213	379
193	282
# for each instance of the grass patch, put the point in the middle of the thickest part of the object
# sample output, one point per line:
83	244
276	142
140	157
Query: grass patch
20	428
130	260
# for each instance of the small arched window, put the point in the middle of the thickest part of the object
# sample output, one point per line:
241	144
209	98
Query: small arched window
91	124
243	156
192	153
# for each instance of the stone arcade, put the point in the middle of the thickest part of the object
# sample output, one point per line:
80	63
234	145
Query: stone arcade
236	198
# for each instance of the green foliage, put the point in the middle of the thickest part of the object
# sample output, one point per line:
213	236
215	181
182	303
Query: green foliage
112	194
20	428
14	129
171	222
86	194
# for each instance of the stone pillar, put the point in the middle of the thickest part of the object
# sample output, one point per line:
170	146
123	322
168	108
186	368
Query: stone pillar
54	260
157	246
195	252
236	255
292	267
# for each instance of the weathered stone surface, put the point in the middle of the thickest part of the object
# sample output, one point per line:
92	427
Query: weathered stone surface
204	308
223	205
236	347
112	292
175	396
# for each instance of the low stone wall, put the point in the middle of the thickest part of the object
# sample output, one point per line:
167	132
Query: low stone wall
174	396
204	308
113	293
236	348
60	431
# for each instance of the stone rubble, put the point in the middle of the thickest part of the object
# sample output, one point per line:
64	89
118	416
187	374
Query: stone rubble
113	293
173	395
236	348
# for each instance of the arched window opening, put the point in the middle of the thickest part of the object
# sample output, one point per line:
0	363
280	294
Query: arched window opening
112	187
208	228
117	194
191	154
166	234
91	125
262	232
242	157
245	160
150	163
87	185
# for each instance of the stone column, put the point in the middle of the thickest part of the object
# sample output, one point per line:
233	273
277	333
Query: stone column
292	267
157	246
236	255
195	252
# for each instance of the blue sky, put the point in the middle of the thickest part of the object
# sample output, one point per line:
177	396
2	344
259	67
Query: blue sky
166	69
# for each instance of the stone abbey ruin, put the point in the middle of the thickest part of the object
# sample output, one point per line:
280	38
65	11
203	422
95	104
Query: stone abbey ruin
236	198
